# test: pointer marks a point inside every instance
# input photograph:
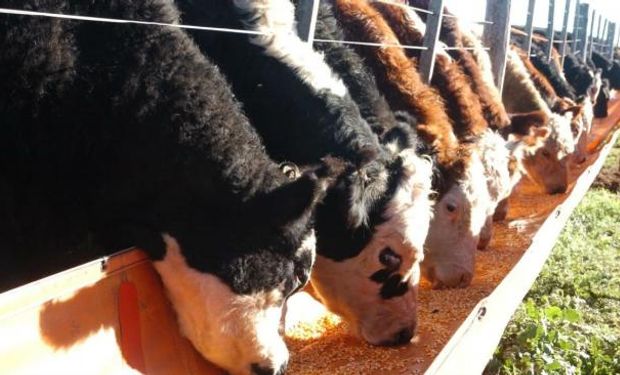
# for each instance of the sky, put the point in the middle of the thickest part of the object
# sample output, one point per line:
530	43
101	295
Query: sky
474	10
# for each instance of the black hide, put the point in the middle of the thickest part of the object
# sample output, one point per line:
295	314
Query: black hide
113	134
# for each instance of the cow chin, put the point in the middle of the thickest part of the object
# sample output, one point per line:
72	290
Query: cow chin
239	333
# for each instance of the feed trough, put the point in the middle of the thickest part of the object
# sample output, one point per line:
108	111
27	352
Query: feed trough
111	315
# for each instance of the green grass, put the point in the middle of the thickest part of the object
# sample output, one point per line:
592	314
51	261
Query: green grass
613	159
569	323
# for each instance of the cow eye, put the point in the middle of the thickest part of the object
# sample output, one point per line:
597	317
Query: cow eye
451	207
546	153
389	258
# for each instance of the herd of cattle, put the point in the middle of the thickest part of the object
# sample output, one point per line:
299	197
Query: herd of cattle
247	164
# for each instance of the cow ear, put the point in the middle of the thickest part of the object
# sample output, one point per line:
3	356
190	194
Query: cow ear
290	201
290	170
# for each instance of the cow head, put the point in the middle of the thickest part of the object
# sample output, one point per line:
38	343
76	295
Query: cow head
370	229
547	142
459	217
580	122
229	274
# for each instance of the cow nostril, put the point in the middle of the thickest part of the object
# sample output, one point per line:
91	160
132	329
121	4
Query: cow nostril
263	370
404	336
465	279
558	190
282	369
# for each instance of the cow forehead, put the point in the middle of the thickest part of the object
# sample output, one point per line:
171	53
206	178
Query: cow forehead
560	134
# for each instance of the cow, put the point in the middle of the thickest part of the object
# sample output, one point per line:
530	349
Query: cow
549	169
377	210
460	204
610	69
129	136
582	112
463	106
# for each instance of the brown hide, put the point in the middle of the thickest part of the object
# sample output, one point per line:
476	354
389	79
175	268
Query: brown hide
520	94
540	81
492	106
462	105
397	76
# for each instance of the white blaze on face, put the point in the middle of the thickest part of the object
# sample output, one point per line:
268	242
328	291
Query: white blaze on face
345	286
453	236
233	331
495	158
277	18
474	185
561	135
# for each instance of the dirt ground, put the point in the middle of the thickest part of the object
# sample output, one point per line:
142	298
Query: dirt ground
609	178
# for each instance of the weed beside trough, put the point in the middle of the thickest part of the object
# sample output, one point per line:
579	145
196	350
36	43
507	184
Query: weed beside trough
569	322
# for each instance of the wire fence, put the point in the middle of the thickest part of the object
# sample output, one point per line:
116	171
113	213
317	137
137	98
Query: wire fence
496	35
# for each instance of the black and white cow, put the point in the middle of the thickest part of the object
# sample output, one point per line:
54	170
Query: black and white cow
128	133
377	213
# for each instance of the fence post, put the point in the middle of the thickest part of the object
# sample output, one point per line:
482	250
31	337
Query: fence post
565	30
550	28
529	25
583	27
431	37
591	37
602	46
611	33
497	36
308	10
585	22
576	26
597	37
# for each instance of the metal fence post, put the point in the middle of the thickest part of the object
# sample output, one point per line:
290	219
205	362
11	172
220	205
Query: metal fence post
576	26
308	10
602	37
497	36
431	37
591	35
585	21
550	28
565	30
597	37
611	33
529	26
